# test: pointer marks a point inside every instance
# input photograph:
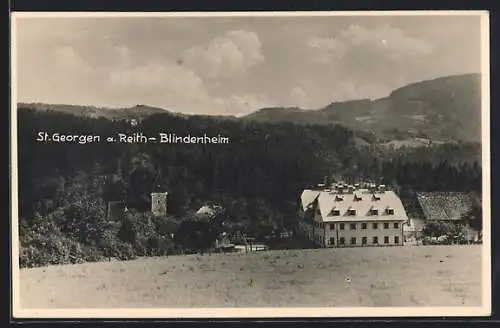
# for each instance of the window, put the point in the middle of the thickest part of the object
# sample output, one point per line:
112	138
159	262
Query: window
364	241
396	240
390	211
375	226
332	241
351	211
332	226
341	226
353	226
375	240
339	198
386	225
396	225
342	241
353	241
363	225
386	240
335	213
374	212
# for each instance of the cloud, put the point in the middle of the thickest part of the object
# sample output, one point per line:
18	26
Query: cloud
169	85
298	97
227	56
383	41
66	58
350	90
326	49
166	76
243	104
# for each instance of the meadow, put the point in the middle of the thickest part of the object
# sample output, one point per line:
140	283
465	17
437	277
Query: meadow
350	277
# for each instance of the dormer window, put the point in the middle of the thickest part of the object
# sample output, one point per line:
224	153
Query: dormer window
390	211
357	198
334	212
351	211
339	198
374	211
376	197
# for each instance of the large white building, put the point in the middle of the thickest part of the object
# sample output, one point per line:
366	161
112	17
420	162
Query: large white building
350	216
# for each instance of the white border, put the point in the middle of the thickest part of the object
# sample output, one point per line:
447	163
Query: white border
484	310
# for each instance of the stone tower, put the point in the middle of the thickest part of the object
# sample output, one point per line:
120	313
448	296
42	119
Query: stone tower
159	203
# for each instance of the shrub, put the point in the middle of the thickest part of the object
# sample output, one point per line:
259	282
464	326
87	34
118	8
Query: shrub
93	254
159	245
41	250
125	251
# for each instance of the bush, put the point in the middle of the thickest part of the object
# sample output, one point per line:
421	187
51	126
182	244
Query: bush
125	251
93	254
141	230
41	250
159	245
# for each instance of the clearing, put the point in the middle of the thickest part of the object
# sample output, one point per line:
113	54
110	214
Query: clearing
389	276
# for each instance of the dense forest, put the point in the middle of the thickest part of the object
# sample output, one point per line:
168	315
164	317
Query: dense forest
256	178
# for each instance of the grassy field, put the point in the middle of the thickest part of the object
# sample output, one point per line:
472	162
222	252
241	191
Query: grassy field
393	276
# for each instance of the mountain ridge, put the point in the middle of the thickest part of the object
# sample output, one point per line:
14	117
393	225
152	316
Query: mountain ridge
443	109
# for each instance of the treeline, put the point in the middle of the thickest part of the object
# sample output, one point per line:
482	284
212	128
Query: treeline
257	177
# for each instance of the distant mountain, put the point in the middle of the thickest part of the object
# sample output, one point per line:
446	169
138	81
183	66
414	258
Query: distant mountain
447	108
135	112
443	109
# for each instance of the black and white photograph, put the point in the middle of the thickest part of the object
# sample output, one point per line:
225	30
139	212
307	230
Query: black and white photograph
263	164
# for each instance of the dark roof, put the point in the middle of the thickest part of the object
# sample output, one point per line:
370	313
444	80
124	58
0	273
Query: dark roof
446	205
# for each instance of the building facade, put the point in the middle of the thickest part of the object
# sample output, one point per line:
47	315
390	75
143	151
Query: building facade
350	216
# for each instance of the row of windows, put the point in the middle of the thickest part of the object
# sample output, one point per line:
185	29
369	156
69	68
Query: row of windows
364	240
357	198
364	226
352	212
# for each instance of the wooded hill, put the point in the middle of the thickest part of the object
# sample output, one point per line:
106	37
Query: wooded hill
444	109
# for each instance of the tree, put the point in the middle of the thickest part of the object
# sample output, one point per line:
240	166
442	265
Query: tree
196	234
474	217
438	229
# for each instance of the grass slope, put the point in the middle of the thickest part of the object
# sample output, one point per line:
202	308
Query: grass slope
393	276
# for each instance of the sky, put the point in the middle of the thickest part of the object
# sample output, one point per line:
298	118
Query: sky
236	65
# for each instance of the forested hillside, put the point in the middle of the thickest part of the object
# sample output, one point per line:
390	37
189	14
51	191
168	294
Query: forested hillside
447	108
256	177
